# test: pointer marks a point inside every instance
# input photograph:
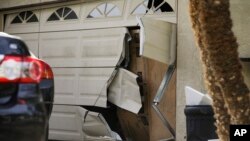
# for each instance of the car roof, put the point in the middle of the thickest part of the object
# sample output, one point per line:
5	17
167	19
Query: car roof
3	34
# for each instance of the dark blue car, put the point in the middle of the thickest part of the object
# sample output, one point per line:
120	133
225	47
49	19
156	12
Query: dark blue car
26	92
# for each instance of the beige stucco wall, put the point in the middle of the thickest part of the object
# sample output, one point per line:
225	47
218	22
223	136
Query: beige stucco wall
240	14
189	66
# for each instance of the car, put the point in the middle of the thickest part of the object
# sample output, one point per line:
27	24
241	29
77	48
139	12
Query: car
26	92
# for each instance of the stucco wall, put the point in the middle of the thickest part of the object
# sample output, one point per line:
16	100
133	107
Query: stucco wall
189	71
240	14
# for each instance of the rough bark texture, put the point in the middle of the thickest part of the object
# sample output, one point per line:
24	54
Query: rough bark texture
224	81
220	110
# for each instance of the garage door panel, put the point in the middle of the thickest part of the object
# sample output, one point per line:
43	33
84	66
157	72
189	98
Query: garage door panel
101	47
56	49
66	118
64	123
92	85
81	86
58	46
31	41
86	48
65	86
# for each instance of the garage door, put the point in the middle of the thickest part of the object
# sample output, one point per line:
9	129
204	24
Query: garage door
82	60
83	43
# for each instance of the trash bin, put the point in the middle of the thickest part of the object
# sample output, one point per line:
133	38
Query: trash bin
200	123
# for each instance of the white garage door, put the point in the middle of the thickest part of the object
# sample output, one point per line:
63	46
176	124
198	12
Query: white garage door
78	58
83	43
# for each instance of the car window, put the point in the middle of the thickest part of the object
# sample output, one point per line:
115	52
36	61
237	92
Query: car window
9	46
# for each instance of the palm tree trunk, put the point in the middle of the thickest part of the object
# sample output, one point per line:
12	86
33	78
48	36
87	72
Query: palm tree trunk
220	110
213	30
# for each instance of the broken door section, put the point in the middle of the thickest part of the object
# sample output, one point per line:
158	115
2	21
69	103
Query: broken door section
76	123
158	40
125	92
84	64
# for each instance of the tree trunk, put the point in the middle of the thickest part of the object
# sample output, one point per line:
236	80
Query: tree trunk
218	47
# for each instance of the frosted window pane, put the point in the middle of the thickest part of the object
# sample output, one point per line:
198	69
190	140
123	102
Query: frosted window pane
95	13
109	7
102	8
141	9
146	3
114	12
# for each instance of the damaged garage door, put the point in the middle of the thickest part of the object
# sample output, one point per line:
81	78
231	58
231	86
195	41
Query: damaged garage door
83	62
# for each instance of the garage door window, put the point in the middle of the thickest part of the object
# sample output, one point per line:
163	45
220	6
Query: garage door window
105	10
151	7
64	13
25	17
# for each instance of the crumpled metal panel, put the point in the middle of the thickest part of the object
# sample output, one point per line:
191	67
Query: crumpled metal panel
125	92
